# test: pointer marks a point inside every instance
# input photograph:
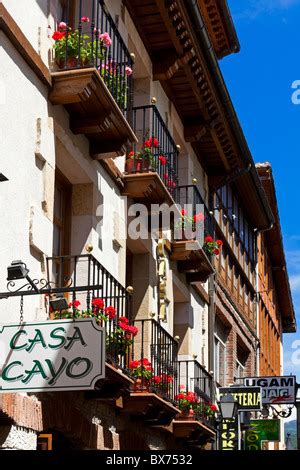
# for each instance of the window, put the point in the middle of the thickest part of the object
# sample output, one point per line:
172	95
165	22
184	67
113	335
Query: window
239	370
61	220
220	361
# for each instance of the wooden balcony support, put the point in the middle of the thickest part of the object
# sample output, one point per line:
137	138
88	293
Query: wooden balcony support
149	407
93	111
147	187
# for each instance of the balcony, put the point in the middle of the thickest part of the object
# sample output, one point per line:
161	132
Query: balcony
83	279
198	426
153	395
92	78
189	233
152	165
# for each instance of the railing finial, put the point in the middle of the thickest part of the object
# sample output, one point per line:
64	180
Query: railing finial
89	248
194	181
153	100
129	289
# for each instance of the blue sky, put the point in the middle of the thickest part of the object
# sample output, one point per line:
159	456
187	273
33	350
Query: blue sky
260	79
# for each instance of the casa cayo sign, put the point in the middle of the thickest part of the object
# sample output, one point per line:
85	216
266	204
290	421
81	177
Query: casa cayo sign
275	390
52	355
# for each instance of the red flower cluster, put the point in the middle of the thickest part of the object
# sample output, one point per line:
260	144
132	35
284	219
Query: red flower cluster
213	247
163	160
145	363
128	329
213	407
199	217
98	304
74	304
58	35
152	142
163	378
191	397
110	312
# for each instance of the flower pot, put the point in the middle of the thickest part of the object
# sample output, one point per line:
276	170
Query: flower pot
133	165
72	63
141	385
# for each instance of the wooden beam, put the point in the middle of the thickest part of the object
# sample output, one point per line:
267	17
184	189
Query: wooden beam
166	65
107	148
194	132
91	124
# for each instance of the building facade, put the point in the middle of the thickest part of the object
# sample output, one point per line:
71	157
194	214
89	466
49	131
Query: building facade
115	117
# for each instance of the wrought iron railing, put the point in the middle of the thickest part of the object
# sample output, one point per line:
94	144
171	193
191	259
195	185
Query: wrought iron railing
92	39
192	377
85	279
156	150
154	343
196	221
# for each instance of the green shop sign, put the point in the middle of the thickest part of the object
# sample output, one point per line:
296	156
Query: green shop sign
262	430
53	355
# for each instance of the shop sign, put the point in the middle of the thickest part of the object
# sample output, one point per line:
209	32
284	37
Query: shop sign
275	390
248	398
262	430
228	434
52	355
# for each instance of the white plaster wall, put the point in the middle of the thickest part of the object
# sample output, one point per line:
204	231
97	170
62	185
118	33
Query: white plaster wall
25	102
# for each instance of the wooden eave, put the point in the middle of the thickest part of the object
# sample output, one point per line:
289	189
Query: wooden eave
146	187
149	407
220	26
273	242
191	260
180	64
191	429
93	111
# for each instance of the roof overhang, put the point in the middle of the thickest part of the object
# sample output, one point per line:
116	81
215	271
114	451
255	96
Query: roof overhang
220	26
273	241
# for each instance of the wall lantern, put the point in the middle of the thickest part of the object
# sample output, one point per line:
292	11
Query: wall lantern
18	270
228	406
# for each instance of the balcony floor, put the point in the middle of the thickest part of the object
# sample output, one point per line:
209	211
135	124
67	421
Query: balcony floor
185	428
147	187
93	111
191	260
150	407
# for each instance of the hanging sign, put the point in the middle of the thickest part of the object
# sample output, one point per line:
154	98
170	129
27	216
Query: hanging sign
52	355
228	434
275	390
248	398
262	430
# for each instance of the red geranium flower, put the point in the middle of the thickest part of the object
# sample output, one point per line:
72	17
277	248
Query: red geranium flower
199	217
163	160
123	320
110	312
58	35
183	212
75	303
208	239
98	303
217	251
219	242
85	19
213	407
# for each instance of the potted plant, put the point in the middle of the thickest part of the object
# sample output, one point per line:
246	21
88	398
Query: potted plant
186	402
142	371
77	49
119	340
98	311
211	246
162	383
145	159
187	224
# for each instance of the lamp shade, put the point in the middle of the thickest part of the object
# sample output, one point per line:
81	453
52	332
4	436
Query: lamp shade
17	270
228	406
